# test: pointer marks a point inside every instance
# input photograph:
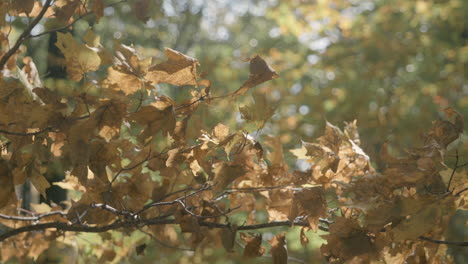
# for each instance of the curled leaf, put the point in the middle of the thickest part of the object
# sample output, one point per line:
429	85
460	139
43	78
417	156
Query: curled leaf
260	72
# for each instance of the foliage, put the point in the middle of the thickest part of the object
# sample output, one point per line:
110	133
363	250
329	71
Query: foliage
142	167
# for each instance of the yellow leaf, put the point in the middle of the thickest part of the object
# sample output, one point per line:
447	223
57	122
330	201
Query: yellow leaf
124	82
91	39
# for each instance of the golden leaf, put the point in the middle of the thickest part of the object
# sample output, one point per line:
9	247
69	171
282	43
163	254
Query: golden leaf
179	69
79	58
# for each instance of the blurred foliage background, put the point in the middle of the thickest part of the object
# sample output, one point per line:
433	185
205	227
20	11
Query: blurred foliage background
390	64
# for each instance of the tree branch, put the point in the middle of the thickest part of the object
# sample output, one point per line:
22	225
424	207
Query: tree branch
25	35
47	129
455	243
73	22
454	170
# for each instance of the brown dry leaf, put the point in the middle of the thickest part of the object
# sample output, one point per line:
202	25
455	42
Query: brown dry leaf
128	70
6	179
103	155
188	223
39	181
445	132
228	237
140	250
254	246
141	9
260	72
260	111
3	11
220	132
278	249
79	149
278	171
346	241
417	223
332	138
158	116
38	8
225	173
47	96
179	69
98	9
21	7
120	81
127	61
303	237
309	202
91	39
279	204
65	9
108	118
107	256
79	58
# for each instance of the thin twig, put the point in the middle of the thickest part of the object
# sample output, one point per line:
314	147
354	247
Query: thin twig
72	23
131	167
164	244
462	190
47	129
25	35
113	210
32	218
455	243
146	207
453	171
201	98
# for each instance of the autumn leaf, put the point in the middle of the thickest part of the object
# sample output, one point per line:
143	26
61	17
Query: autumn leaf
6	177
23	6
253	247
39	181
225	173
260	72
311	203
141	9
179	69
65	9
260	111
108	119
98	9
80	58
278	249
417	224
158	116
228	237
346	241
303	237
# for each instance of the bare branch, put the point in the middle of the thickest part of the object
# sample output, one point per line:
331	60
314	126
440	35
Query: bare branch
453	171
47	129
462	190
72	23
131	167
455	243
32	218
25	35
